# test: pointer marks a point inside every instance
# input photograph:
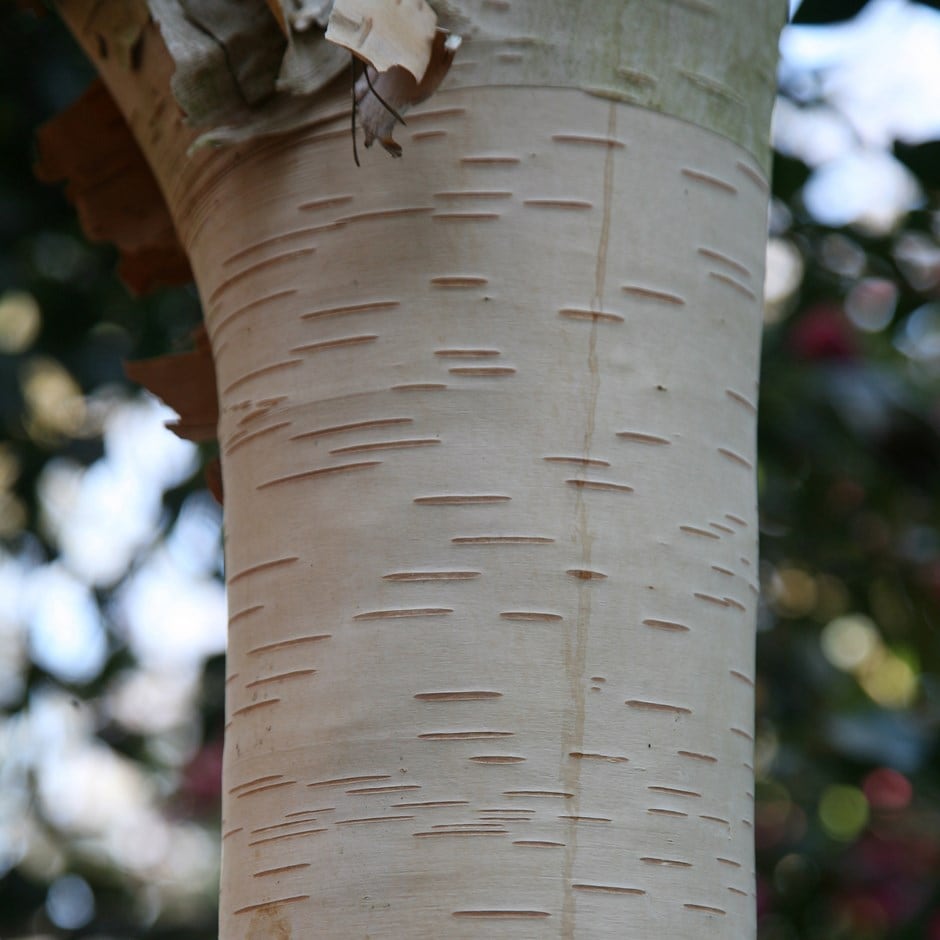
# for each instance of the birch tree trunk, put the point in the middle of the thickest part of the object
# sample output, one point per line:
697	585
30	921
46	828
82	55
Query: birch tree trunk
488	438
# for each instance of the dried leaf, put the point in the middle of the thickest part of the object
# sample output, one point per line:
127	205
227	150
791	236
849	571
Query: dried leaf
385	34
107	177
185	382
399	91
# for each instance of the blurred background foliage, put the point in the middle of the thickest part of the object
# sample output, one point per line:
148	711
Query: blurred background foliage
111	606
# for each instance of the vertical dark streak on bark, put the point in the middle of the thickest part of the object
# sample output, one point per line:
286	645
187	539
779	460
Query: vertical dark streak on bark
577	649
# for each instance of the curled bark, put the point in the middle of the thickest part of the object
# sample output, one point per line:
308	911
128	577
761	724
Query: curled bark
90	147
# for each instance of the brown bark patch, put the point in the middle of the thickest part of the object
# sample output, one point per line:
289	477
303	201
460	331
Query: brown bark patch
186	382
90	147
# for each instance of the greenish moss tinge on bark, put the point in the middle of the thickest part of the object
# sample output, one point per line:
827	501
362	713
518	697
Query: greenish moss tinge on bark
709	62
660	56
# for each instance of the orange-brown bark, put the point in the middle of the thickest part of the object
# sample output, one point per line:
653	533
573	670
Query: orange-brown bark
111	185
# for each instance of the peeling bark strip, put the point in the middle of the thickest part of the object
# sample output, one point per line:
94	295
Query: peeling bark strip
186	382
509	43
385	35
92	149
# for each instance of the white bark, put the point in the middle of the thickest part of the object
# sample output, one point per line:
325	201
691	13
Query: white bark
488	450
488	446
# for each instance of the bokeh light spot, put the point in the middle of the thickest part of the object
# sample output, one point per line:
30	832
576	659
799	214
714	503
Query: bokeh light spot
849	641
20	320
842	255
53	399
70	903
887	789
843	811
784	273
919	336
66	635
793	591
888	679
870	304
867	188
60	257
918	257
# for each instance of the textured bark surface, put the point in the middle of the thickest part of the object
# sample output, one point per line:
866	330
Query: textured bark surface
487	425
496	670
710	62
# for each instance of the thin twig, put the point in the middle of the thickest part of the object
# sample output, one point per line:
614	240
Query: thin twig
355	149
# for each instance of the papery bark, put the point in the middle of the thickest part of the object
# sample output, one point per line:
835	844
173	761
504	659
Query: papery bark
487	430
488	444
